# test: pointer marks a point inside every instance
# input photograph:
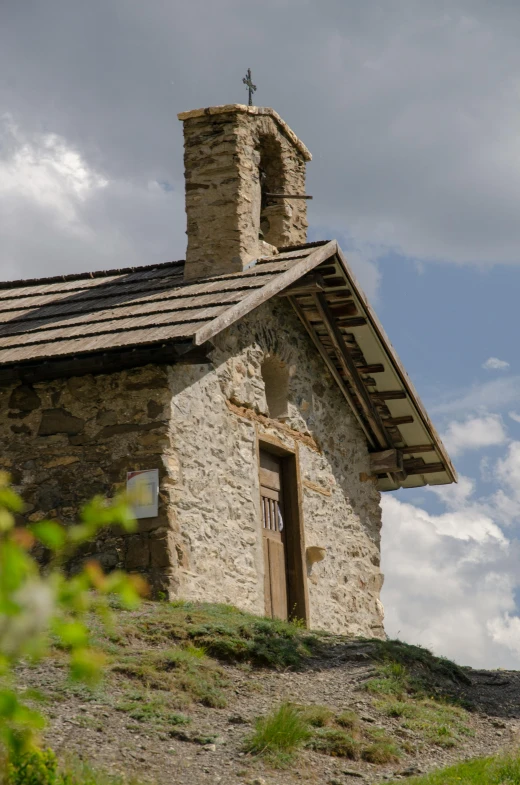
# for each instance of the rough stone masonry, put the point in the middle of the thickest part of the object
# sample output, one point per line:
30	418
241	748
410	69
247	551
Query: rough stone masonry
68	439
233	156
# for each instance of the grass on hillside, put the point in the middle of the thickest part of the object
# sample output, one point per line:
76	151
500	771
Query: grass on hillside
402	696
500	770
289	727
279	734
166	656
222	631
432	674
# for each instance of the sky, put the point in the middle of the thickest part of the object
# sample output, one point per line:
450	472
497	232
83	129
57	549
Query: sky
411	109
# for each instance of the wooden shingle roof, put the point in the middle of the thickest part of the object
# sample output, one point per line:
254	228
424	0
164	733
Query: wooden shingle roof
78	314
56	325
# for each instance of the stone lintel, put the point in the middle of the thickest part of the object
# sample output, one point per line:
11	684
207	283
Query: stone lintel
252	110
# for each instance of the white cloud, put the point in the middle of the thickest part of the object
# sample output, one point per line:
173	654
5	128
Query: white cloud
506	500
494	364
514	416
505	630
496	394
411	112
452	578
45	171
60	214
457	495
474	433
450	582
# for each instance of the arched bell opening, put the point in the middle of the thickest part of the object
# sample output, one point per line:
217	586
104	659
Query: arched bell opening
272	181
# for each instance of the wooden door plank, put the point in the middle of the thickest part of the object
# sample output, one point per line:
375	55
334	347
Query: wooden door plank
278	579
267	580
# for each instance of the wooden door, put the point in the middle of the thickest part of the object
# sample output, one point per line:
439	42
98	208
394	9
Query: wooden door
273	535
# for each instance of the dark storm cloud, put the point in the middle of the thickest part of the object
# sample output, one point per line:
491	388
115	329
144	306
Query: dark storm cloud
409	108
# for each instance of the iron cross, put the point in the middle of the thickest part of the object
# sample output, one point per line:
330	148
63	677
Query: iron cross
250	86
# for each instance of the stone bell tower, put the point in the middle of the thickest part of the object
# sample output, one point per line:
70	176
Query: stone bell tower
236	158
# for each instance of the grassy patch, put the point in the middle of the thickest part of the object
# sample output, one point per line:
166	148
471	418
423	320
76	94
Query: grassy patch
342	735
428	673
153	709
186	673
381	749
221	630
316	716
279	734
381	752
435	722
406	691
393	679
501	770
337	743
349	720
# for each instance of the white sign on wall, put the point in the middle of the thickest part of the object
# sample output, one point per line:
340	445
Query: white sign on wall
143	491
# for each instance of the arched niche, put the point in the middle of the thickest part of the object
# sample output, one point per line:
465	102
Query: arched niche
275	375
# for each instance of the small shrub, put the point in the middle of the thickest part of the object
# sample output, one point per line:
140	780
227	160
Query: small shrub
317	716
348	719
381	752
178	719
40	767
336	743
282	731
398	709
393	679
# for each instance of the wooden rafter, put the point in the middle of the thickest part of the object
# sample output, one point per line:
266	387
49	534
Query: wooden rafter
306	285
330	365
426	468
404	420
388	395
375	368
412	449
351	372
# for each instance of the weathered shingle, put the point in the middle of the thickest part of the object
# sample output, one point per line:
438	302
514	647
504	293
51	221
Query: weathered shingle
57	317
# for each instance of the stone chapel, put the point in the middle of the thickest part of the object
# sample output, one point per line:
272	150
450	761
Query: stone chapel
253	379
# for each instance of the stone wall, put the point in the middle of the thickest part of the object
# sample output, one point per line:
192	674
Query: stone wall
224	148
64	441
213	476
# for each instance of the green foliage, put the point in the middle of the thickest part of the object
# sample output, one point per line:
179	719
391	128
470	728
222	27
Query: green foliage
279	734
34	768
500	770
35	607
40	767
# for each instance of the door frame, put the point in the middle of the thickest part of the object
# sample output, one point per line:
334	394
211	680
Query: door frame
296	573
